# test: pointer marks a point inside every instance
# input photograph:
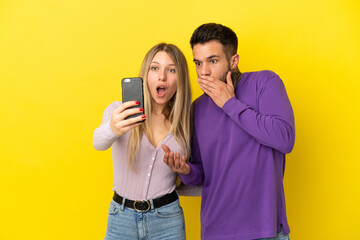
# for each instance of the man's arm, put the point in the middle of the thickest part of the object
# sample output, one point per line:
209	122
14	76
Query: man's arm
196	174
190	173
273	124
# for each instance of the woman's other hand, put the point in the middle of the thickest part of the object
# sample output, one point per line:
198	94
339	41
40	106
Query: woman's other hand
174	161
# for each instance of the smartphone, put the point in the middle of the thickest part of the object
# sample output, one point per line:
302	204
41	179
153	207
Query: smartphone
132	90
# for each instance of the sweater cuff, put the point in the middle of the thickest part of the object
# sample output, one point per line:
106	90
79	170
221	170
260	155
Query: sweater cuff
189	178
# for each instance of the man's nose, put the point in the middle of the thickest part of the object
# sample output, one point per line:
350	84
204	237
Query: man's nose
205	70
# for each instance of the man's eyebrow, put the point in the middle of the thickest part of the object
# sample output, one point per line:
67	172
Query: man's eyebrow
213	56
209	57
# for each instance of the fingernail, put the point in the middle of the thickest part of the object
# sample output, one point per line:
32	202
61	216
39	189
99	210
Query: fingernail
143	116
141	109
137	102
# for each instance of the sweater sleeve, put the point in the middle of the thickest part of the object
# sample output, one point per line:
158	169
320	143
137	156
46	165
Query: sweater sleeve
196	175
104	137
273	124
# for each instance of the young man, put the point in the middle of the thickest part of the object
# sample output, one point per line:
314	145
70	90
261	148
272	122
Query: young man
242	128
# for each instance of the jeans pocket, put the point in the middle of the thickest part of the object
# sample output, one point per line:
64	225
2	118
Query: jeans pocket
171	210
114	208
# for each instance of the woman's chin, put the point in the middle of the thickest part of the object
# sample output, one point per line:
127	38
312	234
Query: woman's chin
160	102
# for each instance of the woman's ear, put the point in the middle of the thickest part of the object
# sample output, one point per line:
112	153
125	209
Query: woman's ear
234	61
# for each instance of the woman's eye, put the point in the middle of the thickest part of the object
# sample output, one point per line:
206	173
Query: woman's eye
172	70
154	68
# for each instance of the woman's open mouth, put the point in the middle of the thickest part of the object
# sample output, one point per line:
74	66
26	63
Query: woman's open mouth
160	91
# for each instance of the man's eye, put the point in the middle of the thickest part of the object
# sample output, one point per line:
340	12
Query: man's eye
213	61
197	63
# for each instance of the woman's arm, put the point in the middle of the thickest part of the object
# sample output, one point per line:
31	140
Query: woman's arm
115	125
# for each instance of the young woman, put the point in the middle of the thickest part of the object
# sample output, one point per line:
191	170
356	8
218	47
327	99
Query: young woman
145	204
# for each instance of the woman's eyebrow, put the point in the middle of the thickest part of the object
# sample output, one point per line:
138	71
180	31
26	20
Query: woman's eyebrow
171	64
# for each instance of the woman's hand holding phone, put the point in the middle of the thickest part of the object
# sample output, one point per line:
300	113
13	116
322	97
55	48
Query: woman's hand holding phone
119	125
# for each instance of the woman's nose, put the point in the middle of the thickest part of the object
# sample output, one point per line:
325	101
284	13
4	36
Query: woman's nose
162	75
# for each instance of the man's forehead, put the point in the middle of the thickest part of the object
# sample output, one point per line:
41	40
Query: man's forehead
207	50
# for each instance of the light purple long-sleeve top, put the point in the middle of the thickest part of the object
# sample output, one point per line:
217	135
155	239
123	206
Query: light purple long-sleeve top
152	178
238	155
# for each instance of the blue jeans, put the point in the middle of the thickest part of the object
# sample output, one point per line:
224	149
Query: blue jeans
166	222
279	236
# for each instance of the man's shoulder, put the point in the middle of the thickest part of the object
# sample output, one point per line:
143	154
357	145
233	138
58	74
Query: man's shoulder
199	103
199	100
262	75
261	78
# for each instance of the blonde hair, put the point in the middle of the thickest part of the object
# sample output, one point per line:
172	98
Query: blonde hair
178	112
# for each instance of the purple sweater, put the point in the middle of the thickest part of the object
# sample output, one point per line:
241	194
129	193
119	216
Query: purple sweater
238	155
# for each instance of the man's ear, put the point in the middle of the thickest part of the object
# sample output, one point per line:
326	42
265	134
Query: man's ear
234	61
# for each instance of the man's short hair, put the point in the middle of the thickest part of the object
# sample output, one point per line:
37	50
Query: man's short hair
213	31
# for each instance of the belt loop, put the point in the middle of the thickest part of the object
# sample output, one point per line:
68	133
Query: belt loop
122	204
152	205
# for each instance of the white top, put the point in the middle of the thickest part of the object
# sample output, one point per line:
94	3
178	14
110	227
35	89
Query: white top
152	177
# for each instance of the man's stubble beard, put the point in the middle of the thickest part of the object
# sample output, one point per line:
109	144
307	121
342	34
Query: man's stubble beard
223	78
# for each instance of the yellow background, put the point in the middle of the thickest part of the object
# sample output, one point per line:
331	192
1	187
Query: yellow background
61	62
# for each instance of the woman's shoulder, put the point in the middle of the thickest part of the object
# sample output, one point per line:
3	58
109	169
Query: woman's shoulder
111	107
115	104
